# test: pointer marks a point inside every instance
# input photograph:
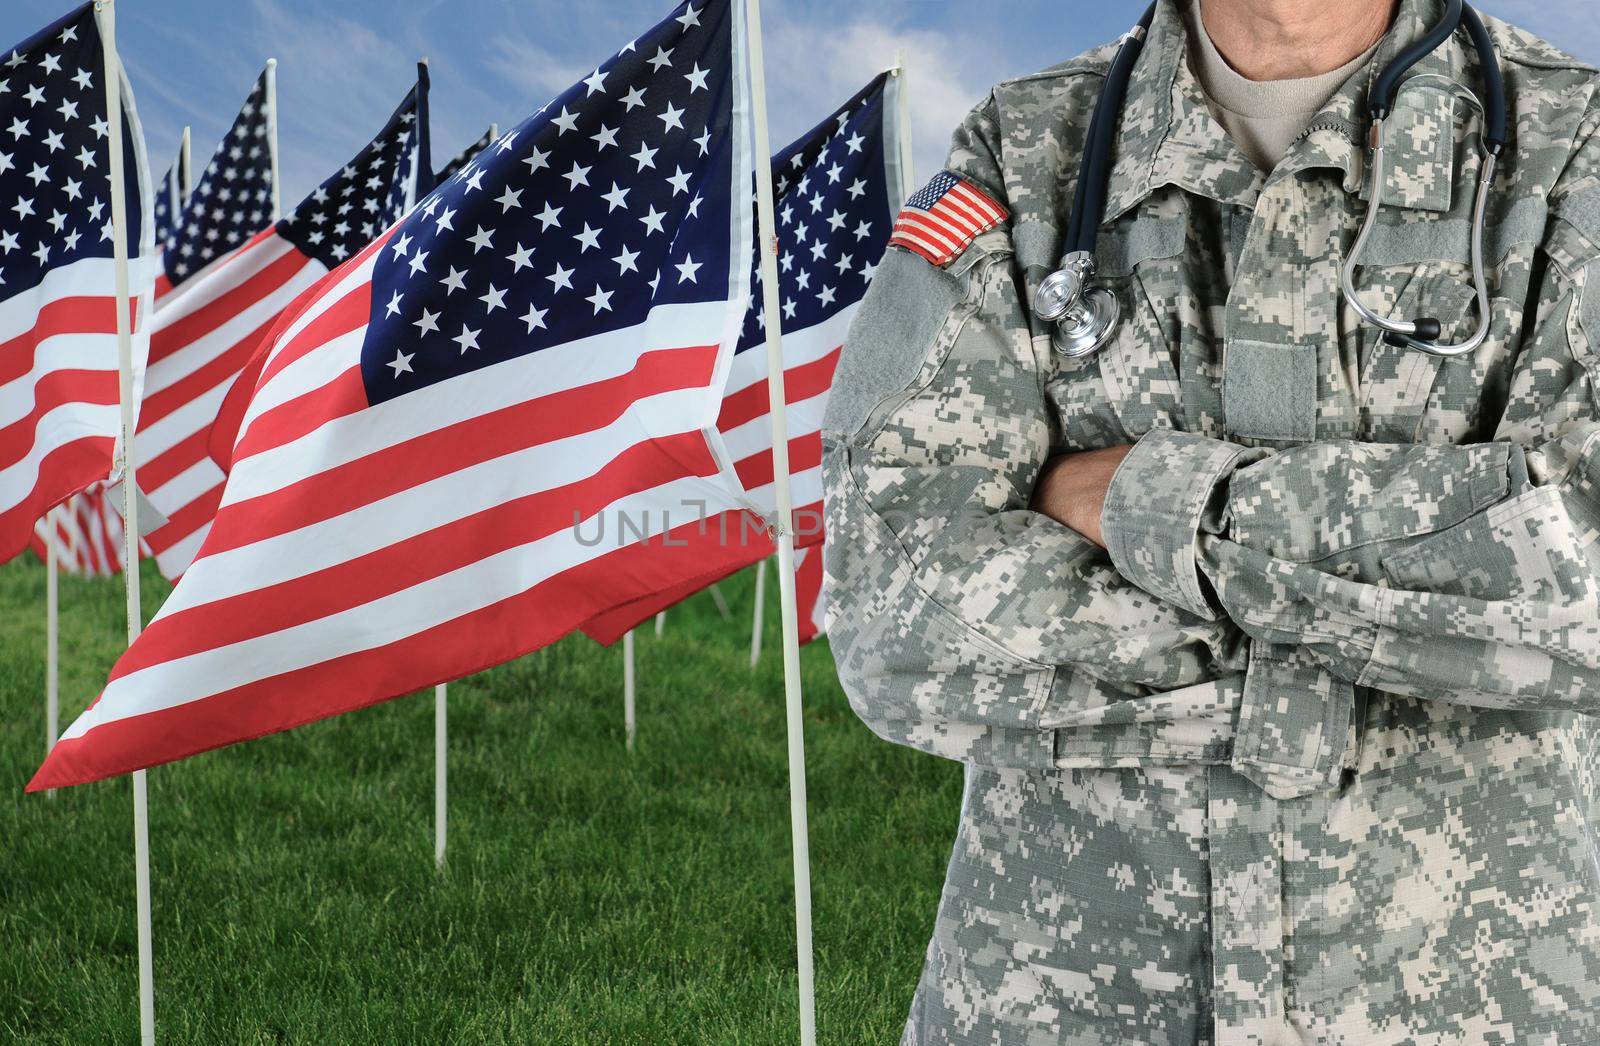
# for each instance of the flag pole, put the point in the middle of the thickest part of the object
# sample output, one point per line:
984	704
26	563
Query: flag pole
661	622
105	11
784	526
908	177
185	168
52	665
627	688
440	751
756	615
272	134
722	603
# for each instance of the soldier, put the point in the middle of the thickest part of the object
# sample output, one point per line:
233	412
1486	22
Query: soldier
1271	648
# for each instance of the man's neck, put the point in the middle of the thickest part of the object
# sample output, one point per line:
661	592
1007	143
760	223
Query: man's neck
1291	39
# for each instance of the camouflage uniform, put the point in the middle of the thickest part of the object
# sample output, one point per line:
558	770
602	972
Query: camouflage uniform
1308	756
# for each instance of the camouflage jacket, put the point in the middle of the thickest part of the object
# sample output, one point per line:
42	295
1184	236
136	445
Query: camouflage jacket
1309	753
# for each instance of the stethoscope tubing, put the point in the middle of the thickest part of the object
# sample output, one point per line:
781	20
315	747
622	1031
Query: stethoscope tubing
1091	328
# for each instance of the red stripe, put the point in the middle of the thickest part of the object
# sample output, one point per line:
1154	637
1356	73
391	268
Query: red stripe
978	201
952	213
975	207
954	224
185	521
808	587
416	559
63	472
304	342
80	315
799	384
409	463
740	526
172	462
937	252
227	304
217	371
918	225
805	453
346	314
460	647
55	388
287	422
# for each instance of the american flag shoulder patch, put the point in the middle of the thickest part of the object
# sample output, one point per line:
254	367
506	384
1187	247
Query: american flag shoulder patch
944	217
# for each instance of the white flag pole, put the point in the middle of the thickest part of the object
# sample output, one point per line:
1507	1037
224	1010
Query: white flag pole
661	623
52	664
105	11
627	688
185	169
908	178
785	534
759	612
440	751
722	603
272	134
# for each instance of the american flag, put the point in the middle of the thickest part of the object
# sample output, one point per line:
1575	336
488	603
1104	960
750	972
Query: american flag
836	189
462	158
169	199
58	344
944	216
87	529
231	202
208	327
445	440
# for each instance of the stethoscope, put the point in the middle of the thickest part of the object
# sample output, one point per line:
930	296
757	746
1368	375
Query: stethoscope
1085	315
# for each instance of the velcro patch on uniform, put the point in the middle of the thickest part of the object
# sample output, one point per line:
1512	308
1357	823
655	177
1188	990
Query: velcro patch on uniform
944	217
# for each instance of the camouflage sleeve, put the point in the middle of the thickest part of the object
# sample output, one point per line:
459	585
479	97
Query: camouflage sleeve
1462	573
963	623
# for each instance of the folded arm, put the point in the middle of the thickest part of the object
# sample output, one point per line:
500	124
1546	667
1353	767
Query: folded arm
964	622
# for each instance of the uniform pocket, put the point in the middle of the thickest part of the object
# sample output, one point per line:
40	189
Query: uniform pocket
1131	385
1398	383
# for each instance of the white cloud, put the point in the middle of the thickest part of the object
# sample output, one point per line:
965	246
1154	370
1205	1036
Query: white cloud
813	65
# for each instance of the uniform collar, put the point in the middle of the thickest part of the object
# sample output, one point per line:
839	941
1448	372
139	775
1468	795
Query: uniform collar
1167	135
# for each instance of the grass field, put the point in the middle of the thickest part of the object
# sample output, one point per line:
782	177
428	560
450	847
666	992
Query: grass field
590	896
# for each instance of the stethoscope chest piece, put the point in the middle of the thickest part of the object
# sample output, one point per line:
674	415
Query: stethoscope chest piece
1087	327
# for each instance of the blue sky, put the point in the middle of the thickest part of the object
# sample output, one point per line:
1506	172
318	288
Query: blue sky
343	66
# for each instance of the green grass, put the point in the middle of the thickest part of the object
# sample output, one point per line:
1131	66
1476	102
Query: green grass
590	896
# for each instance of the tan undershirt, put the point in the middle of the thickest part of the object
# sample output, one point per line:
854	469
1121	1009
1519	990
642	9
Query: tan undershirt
1263	117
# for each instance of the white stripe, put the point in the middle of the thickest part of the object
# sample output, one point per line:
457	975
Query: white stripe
179	364
187	485
805	418
414	510
807	487
86	277
920	230
176	295
65	424
175	560
180	425
389	619
954	226
799	348
985	209
18	397
219	277
513	381
915	238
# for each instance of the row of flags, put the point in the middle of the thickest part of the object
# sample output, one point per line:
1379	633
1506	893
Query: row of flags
409	430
